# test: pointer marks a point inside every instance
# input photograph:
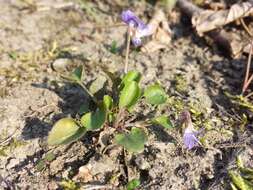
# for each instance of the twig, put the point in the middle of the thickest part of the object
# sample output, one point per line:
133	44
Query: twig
95	187
127	50
246	27
248	95
247	80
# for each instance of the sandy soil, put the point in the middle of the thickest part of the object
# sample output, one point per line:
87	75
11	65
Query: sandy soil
37	44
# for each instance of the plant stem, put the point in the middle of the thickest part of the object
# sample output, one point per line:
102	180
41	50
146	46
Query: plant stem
247	80
246	27
127	49
118	118
88	92
248	95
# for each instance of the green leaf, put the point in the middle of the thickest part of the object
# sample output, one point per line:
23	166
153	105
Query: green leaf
41	165
84	108
163	121
13	55
113	48
233	187
134	141
65	131
247	172
69	185
43	162
2	152
129	95
77	75
97	84
94	120
239	162
131	76
50	157
108	102
155	94
239	182
133	184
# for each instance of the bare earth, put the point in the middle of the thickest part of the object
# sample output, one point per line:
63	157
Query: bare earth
33	96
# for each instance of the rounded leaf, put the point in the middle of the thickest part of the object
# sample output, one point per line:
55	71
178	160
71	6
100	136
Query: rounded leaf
163	121
65	131
155	95
129	95
131	76
134	141
94	120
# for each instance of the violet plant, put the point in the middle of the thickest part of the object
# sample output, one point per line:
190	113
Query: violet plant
114	112
117	111
190	136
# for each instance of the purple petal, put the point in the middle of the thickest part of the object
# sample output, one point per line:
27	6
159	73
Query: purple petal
136	41
129	18
146	31
190	139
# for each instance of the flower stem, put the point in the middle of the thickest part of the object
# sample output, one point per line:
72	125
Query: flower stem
127	50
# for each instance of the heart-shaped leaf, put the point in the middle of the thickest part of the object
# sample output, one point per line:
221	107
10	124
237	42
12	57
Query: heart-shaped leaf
65	131
155	94
94	120
163	121
108	102
77	75
131	76
129	95
134	141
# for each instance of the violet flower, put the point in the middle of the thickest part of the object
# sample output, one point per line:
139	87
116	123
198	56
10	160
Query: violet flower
137	28
190	134
130	19
190	138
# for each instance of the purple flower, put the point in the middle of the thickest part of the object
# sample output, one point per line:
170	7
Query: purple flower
136	41
190	134
190	138
130	19
137	28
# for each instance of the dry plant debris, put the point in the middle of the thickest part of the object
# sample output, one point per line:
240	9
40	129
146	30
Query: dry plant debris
209	20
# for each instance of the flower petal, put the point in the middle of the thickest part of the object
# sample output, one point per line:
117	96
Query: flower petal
129	18
136	41
142	32
190	139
